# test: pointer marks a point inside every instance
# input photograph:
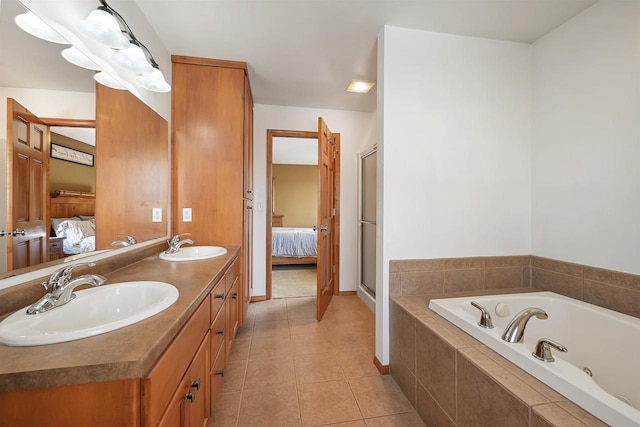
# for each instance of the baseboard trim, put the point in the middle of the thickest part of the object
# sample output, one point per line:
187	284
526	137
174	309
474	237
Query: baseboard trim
383	369
259	298
346	293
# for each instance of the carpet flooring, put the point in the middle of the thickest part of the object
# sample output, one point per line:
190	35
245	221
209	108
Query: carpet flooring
289	281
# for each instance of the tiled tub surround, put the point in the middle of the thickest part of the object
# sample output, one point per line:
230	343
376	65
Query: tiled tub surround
604	341
454	380
609	289
467	383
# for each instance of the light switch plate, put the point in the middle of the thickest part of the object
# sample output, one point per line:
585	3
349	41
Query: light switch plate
186	214
157	215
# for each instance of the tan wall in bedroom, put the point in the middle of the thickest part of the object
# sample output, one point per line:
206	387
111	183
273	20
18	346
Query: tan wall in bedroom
296	194
71	176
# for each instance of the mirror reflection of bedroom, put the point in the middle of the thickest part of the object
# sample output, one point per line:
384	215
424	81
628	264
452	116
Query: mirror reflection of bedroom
72	187
294	215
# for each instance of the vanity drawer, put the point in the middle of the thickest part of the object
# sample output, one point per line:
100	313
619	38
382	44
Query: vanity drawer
216	377
217	298
232	273
218	333
159	386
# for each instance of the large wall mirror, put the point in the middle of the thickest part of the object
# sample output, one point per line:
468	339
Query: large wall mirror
116	187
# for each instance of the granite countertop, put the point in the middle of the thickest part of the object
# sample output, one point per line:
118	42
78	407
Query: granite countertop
125	353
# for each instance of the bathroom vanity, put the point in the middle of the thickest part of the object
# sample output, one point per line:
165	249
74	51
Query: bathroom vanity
165	370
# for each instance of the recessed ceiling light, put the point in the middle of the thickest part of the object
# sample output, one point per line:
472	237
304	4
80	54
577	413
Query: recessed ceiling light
359	86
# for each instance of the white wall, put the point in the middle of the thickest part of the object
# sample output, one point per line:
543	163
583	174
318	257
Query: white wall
586	139
42	103
357	132
455	150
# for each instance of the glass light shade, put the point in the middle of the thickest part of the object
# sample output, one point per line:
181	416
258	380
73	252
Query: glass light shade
133	59
73	55
105	79
102	27
35	26
154	82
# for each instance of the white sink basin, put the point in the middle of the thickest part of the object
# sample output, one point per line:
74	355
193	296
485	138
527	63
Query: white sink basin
94	311
194	253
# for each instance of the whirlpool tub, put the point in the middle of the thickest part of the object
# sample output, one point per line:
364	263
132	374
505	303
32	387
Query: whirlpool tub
601	370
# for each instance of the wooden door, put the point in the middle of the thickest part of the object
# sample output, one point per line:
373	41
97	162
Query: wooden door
326	215
27	187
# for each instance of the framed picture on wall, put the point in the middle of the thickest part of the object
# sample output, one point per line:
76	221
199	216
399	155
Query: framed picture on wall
71	155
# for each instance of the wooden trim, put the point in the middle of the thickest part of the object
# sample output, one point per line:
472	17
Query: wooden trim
336	220
347	293
259	298
271	133
192	60
290	260
383	369
70	123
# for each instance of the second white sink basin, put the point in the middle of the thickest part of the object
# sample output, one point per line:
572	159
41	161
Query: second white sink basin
194	253
94	311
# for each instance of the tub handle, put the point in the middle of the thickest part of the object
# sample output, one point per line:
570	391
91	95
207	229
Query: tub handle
543	350
485	317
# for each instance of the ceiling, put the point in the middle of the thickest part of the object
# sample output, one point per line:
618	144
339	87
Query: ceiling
300	53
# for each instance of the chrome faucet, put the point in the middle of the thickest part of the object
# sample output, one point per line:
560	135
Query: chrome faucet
127	241
514	331
175	243
543	350
60	287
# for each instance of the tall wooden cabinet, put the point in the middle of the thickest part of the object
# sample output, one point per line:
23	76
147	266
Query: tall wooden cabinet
212	143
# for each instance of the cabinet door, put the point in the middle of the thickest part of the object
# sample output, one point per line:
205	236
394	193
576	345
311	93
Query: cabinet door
198	407
231	307
175	413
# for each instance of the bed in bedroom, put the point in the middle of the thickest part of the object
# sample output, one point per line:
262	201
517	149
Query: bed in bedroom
294	246
72	216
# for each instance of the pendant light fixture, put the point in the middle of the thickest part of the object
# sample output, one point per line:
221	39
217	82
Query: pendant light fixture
30	23
73	55
105	79
109	28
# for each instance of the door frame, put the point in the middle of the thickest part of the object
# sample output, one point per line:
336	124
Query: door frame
279	133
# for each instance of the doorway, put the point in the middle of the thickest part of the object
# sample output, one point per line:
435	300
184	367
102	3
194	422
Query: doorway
299	244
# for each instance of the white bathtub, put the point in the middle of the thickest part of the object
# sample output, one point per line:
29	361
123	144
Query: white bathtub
605	342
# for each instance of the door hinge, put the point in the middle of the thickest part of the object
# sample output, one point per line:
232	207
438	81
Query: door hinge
335	154
334	268
334	211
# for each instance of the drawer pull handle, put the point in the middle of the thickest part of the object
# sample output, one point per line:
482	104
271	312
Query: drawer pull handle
220	332
235	295
191	397
221	296
196	384
221	373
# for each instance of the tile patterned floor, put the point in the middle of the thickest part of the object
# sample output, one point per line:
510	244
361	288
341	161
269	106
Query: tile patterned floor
287	369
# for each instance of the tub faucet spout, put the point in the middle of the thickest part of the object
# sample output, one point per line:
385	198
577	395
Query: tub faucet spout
514	331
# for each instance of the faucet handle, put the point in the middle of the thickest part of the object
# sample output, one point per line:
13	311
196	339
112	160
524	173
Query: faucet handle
543	350
130	239
485	317
63	274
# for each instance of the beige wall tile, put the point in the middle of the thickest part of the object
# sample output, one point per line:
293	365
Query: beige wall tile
555	282
422	282
463	263
623	280
394	266
507	380
526	277
507	261
622	300
505	277
463	280
420	264
436	368
405	379
558	266
501	409
429	410
581	414
395	285
553	415
403	337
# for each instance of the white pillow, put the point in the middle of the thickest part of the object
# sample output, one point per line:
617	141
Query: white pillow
75	231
